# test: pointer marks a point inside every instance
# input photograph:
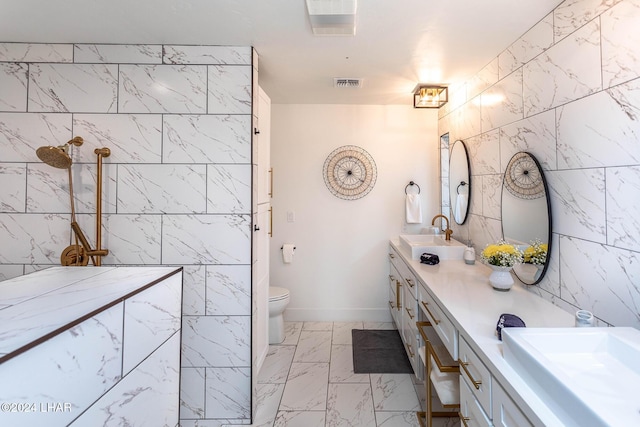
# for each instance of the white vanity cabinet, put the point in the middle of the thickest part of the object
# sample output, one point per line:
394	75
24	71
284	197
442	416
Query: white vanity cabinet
476	376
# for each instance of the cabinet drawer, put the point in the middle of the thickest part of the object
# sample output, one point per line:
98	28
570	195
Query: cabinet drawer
441	323
476	375
471	413
410	338
406	276
505	411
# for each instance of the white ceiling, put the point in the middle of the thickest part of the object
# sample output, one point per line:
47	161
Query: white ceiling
398	43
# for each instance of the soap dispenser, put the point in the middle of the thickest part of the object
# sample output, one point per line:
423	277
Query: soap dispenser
469	254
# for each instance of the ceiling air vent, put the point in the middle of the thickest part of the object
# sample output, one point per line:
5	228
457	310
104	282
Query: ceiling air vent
347	82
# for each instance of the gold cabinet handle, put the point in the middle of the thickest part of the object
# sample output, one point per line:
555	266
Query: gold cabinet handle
410	282
398	286
411	353
463	419
271	183
270	222
476	383
435	320
392	256
408	310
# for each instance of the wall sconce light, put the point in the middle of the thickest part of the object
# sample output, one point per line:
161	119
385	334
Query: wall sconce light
430	96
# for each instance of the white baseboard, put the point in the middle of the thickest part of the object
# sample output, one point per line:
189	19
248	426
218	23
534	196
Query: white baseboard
337	315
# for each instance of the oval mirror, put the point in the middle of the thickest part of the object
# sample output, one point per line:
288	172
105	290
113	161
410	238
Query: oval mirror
459	182
526	215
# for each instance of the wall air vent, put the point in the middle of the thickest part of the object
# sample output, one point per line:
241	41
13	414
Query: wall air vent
347	82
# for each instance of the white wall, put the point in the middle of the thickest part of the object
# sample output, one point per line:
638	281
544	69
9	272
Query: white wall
570	95
339	271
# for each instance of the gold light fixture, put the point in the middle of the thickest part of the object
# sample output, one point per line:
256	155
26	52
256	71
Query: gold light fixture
430	96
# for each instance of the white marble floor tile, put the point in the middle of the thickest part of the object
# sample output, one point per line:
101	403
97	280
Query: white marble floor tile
313	346
341	367
306	387
317	326
342	332
396	419
291	333
379	325
394	392
269	396
350	405
300	419
277	364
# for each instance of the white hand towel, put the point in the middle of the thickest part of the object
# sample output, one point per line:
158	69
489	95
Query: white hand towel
413	209
461	208
287	252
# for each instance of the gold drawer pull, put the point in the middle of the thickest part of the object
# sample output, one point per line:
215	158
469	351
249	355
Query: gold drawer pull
463	419
409	312
392	256
424	304
476	383
411	353
410	282
398	286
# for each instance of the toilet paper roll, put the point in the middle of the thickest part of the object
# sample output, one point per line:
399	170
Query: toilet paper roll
287	252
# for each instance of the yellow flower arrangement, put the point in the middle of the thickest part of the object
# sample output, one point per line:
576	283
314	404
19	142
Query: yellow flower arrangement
536	253
501	254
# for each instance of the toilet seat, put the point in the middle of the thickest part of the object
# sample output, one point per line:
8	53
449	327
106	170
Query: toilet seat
277	293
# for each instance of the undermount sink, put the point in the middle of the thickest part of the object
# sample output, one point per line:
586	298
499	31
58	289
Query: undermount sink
587	376
418	244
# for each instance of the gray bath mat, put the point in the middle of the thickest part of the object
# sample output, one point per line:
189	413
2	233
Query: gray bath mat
379	352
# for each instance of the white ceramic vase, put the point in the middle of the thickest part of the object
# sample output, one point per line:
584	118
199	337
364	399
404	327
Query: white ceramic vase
500	278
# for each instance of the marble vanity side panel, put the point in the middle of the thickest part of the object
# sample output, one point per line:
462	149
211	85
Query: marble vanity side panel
606	282
192	393
187	239
535	41
229	89
214	55
228	393
78	88
162	89
22	133
13	193
577	203
620	41
194	290
573	14
485	78
117	53
586	137
73	368
150	318
569	70
535	134
36	52
216	341
162	189
131	239
502	103
229	189
228	290
132	138
623	210
33	238
13	86
206	139
146	396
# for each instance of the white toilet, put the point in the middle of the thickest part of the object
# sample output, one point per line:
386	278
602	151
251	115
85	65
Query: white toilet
278	301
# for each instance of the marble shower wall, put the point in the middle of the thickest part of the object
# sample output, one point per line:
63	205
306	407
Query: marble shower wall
177	186
568	91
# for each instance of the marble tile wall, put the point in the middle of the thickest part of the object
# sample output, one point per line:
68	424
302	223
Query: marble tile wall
177	186
568	91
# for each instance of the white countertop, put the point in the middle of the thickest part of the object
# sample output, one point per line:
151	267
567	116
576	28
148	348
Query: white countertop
465	295
40	305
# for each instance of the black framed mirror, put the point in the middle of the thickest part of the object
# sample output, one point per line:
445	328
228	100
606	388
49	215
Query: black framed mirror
526	215
459	182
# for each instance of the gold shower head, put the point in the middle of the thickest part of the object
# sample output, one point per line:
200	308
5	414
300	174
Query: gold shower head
58	156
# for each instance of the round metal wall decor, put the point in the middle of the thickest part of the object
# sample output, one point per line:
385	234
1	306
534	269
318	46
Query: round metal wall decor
349	172
522	177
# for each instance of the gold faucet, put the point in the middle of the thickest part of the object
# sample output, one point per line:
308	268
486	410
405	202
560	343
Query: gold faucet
447	232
